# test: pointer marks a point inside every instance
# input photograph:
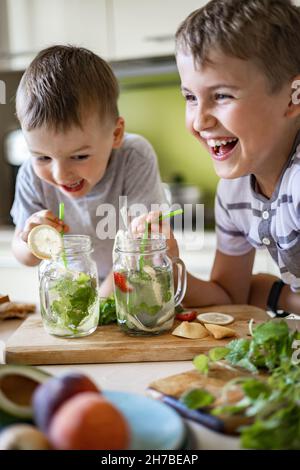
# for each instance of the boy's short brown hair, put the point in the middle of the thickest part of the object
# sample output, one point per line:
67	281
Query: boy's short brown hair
60	83
265	31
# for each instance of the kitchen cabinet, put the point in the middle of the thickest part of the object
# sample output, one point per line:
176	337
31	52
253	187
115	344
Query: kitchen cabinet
114	29
146	29
35	24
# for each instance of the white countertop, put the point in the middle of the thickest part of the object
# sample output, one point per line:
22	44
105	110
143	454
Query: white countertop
21	284
134	378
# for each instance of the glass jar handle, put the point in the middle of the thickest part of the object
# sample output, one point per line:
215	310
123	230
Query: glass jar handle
181	280
44	298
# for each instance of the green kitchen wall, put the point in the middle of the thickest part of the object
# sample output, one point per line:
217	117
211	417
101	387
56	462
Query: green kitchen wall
155	108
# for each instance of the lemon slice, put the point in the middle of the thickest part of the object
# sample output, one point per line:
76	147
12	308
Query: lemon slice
45	241
215	318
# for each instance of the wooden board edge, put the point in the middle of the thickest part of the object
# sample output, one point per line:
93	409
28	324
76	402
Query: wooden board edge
16	356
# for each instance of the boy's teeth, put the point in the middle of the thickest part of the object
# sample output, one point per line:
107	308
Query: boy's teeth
74	184
218	143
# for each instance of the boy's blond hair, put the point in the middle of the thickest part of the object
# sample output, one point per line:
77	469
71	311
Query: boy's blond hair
264	31
62	82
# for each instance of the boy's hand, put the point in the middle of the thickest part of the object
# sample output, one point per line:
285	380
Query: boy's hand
138	226
42	217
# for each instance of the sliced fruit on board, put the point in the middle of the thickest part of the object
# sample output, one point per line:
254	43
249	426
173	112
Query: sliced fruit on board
4	299
187	315
17	384
215	318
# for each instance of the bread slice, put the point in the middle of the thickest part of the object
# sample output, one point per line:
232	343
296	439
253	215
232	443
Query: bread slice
219	331
190	330
15	310
3	298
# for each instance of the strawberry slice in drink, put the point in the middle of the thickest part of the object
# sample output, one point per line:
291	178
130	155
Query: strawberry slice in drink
121	282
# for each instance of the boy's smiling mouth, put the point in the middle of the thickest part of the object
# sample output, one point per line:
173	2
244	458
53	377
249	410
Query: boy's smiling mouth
74	187
221	148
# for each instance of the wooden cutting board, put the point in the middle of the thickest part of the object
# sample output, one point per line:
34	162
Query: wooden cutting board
30	344
169	390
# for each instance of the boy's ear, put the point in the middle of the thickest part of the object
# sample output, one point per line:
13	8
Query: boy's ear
293	109
119	133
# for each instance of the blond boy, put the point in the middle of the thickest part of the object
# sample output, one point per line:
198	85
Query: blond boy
67	108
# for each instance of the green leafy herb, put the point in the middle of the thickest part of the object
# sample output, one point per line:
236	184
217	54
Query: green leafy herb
179	308
254	388
275	409
107	311
201	363
197	398
217	354
273	403
238	350
74	299
270	346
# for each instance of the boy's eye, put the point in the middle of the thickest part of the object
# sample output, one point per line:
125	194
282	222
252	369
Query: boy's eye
43	159
190	98
80	157
222	96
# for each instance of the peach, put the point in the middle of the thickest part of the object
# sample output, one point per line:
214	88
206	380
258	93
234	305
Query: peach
89	422
50	395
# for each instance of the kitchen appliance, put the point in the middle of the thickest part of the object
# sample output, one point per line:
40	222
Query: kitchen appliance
15	153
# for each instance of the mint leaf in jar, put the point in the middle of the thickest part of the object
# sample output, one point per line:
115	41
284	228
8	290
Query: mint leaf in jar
107	311
72	299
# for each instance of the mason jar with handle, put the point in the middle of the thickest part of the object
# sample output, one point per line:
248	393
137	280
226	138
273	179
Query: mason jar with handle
69	289
144	285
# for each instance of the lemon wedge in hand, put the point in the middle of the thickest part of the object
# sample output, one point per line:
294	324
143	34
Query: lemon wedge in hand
45	241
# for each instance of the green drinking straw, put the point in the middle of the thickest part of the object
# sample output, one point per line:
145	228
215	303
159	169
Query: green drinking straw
145	234
61	217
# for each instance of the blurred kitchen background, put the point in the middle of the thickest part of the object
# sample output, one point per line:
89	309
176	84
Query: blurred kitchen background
137	38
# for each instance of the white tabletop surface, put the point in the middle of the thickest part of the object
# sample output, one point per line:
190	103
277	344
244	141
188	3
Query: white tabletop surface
21	283
135	378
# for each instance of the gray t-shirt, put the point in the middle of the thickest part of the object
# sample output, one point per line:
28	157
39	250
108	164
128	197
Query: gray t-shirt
132	171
